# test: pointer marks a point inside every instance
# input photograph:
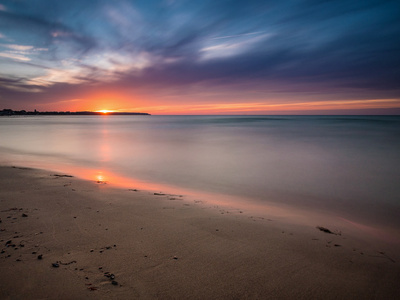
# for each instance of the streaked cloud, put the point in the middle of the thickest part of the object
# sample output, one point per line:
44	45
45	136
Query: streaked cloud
239	44
18	47
15	56
262	107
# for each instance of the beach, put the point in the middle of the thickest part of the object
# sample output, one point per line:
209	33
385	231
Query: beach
66	238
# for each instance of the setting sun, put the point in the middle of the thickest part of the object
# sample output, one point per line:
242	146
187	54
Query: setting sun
104	111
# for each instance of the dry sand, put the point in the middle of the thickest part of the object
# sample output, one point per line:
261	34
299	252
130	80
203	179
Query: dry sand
167	247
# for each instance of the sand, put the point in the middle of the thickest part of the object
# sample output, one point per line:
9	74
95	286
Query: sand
65	238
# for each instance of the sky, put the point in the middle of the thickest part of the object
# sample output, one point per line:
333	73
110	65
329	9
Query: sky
201	57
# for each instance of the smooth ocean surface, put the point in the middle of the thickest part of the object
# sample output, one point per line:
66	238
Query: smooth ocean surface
346	164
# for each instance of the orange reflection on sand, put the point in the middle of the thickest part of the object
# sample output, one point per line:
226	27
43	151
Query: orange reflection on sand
114	180
100	178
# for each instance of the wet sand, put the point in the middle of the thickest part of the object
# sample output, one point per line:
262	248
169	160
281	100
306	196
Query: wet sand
65	238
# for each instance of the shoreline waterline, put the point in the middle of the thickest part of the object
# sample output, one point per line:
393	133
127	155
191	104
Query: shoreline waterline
283	212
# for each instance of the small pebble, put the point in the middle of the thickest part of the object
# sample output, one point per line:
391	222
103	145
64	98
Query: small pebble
55	265
114	282
40	256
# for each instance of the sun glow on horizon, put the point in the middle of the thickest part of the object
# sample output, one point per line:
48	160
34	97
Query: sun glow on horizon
105	111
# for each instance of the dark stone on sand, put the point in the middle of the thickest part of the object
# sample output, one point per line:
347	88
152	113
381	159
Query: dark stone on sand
55	265
114	282
159	194
108	275
40	256
323	229
175	257
62	175
24	215
8	242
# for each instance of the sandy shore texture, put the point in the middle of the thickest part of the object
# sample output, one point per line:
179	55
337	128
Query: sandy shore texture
64	238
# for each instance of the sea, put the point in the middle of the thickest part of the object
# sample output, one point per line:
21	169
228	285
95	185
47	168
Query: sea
347	165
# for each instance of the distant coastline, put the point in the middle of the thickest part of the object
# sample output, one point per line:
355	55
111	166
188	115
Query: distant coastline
10	112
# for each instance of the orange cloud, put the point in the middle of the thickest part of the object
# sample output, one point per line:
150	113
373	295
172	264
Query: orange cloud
260	107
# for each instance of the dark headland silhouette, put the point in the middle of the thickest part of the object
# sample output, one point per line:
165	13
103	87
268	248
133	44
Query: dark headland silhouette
10	112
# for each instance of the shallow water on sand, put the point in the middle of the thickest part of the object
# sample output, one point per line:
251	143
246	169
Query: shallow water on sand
346	164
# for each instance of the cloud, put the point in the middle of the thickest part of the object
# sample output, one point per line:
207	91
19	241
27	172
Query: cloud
17	47
15	56
239	44
339	48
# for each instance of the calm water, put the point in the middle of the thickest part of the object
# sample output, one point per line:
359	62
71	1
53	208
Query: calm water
346	164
